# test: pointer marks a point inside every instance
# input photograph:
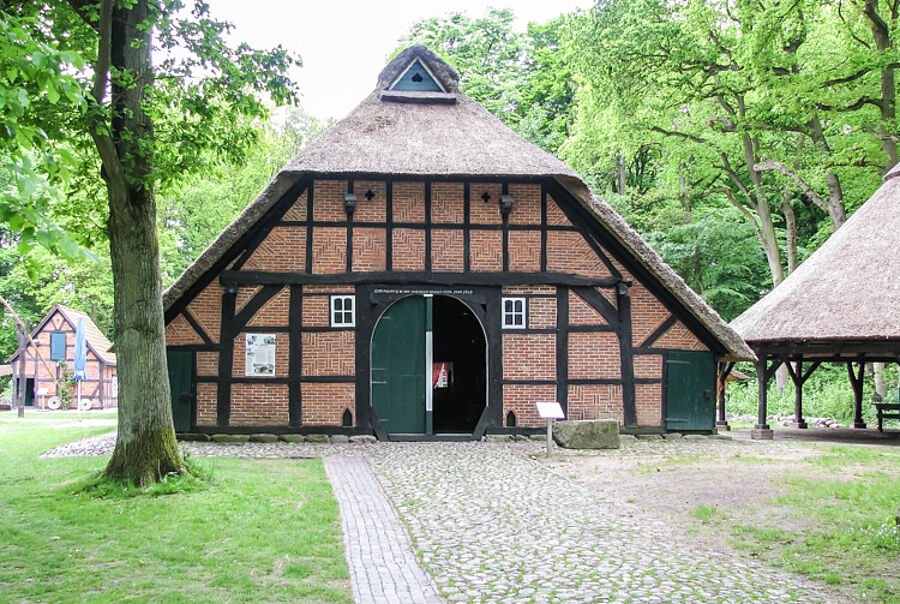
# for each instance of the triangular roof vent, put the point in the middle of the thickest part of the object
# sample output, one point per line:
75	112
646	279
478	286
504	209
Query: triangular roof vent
417	77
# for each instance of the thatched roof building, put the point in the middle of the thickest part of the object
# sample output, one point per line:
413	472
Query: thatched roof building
445	134
843	300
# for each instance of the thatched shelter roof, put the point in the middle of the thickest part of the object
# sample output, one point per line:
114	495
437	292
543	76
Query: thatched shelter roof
442	134
848	289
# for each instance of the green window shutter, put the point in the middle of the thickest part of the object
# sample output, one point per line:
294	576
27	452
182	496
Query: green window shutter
57	346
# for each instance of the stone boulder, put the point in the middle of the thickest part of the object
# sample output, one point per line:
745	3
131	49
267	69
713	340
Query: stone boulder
587	434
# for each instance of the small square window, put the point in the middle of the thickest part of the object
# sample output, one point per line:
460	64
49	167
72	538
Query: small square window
343	313
514	313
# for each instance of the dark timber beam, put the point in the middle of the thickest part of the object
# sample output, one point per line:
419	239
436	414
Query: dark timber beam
234	278
856	380
724	370
799	377
764	373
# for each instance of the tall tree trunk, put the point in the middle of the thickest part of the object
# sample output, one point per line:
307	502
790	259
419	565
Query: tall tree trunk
881	32
622	174
146	449
790	222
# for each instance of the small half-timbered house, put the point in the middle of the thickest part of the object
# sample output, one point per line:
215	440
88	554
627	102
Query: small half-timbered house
422	271
55	338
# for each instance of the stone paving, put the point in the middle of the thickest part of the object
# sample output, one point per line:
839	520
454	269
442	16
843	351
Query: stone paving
382	566
492	523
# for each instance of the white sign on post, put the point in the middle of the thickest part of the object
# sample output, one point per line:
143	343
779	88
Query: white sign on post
550	411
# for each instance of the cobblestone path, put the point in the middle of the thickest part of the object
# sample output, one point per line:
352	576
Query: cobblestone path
383	568
492	525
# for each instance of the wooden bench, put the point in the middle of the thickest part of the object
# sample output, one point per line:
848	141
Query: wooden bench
884	412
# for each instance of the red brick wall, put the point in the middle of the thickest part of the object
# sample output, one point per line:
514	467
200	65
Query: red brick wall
542	313
324	404
408	202
369	210
555	215
329	249
648	366
594	356
329	353
447	202
259	405
369	249
647	313
648	404
283	250
179	332
568	252
520	399
208	363
529	356
485	212
328	200
297	211
486	250
524	251
447	250
596	401
316	311
274	313
206	308
527	205
206	404
582	313
409	250
678	336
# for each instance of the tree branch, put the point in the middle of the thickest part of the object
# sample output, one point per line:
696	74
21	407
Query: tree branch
727	192
689	137
768	164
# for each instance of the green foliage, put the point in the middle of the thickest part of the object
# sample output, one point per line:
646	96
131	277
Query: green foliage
66	397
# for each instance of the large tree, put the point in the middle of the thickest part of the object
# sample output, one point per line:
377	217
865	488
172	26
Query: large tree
144	124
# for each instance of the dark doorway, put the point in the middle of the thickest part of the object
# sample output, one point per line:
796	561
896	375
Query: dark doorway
459	344
29	392
181	387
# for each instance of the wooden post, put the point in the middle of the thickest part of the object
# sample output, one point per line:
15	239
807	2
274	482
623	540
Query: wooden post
549	435
762	431
856	381
724	372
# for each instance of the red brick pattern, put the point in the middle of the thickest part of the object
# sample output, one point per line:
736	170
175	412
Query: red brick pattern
369	210
244	295
369	249
648	404
596	401
324	404
178	333
447	202
542	314
259	405
316	311
274	313
409	250
555	215
527	206
329	353
679	337
516	290
206	308
648	366
206	404
481	211
647	313
594	355
329	250
283	250
525	251
239	362
328	289
529	356
408	202
328	200
568	252
297	211
520	399
447	251
208	363
582	313
486	251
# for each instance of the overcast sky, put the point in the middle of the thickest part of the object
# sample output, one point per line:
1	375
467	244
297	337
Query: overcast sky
344	44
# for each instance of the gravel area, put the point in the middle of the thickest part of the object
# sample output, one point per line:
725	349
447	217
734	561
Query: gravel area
499	523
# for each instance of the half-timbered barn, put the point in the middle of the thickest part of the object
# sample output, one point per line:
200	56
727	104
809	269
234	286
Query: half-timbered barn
422	271
35	377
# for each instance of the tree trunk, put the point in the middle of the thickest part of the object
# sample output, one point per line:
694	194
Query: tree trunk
881	32
790	222
146	449
880	386
622	175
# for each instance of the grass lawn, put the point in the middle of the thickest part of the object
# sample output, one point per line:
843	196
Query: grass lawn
842	529
264	530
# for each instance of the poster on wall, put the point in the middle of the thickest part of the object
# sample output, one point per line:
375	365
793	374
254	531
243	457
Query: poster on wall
441	374
259	354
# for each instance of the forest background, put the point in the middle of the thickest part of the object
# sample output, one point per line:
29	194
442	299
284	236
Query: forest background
735	136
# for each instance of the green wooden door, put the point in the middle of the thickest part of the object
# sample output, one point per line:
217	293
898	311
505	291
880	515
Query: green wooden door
690	399
398	367
181	370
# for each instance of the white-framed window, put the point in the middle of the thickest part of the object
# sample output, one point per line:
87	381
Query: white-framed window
343	311
514	313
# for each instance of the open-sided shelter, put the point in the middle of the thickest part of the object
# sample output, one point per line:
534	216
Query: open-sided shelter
54	336
840	306
420	270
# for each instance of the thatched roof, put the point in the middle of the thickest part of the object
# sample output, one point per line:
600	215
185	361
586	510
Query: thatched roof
849	289
447	135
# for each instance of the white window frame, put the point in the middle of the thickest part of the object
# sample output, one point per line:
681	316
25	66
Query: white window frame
334	312
508	321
